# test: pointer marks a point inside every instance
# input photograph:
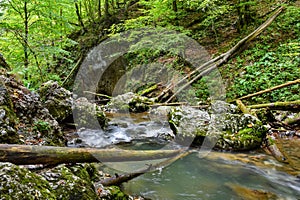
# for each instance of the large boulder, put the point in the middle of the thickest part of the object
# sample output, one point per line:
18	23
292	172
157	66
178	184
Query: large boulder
129	102
57	100
20	183
225	128
80	181
88	115
23	117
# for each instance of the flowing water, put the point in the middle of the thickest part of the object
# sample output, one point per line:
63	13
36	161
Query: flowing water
217	175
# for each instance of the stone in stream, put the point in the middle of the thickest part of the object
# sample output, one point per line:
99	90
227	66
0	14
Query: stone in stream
224	127
129	102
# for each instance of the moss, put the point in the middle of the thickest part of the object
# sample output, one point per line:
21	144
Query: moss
19	183
70	183
117	194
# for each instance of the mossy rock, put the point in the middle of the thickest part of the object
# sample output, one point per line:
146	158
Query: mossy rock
70	182
88	115
129	102
56	99
222	126
117	194
8	133
20	183
241	132
8	118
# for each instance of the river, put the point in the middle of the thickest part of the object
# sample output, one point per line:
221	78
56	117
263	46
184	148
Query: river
214	175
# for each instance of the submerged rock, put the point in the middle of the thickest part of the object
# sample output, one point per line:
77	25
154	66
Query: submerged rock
57	100
23	118
225	129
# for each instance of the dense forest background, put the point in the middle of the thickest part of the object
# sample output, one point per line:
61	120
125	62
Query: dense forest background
44	39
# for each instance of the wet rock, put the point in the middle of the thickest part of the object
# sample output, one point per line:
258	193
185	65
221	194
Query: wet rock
129	102
72	182
23	116
88	115
224	129
57	100
20	183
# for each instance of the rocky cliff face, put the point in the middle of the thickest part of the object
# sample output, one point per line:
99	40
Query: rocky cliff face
23	117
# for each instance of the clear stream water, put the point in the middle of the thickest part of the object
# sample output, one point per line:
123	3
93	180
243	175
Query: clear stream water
218	175
194	178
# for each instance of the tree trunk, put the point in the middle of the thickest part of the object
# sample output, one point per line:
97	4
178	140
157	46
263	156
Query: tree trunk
99	10
49	155
106	7
174	3
26	30
79	16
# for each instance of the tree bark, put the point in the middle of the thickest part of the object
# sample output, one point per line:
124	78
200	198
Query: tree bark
49	155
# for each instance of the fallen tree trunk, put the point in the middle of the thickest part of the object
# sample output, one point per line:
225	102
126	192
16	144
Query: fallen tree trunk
291	105
218	61
271	89
49	155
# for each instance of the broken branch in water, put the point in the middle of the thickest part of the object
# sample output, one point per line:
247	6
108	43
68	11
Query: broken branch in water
119	179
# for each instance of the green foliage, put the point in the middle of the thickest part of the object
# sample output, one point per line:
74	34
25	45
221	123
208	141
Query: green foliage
38	28
268	63
41	126
271	69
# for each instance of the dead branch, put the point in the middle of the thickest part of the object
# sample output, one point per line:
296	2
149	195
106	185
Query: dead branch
271	89
291	105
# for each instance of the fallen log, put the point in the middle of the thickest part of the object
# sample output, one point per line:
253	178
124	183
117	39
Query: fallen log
290	105
271	89
50	155
218	61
